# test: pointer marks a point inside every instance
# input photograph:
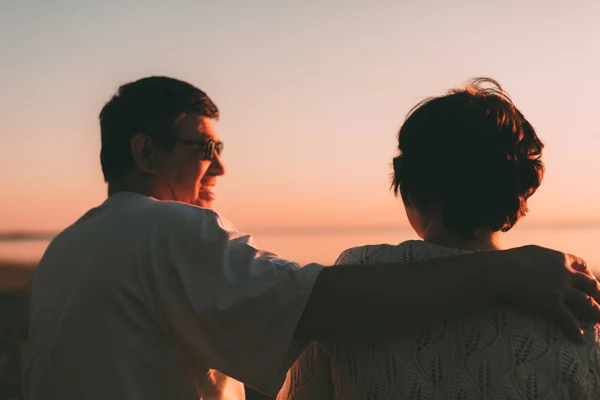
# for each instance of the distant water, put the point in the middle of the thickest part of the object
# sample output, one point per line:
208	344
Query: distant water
324	247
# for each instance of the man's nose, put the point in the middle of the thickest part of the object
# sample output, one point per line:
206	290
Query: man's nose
217	167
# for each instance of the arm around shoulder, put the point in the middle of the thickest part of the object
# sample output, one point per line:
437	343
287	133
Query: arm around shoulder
377	300
383	299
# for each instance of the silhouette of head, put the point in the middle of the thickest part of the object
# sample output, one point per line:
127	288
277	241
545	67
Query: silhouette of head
469	157
158	133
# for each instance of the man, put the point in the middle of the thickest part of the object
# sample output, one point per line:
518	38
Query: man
147	293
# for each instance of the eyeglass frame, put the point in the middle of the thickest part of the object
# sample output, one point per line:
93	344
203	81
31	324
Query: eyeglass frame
211	146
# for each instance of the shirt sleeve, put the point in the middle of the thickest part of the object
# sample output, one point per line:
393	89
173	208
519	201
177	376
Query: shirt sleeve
234	307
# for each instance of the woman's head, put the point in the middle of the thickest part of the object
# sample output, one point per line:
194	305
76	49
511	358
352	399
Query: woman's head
470	158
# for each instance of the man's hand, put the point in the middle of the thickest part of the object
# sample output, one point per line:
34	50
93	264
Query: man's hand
556	284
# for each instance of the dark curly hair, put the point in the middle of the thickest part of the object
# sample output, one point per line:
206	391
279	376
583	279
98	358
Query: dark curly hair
471	153
149	106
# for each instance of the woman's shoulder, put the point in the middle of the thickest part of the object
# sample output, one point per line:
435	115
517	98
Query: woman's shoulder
385	252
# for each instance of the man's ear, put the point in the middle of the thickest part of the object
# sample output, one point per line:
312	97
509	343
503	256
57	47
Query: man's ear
142	150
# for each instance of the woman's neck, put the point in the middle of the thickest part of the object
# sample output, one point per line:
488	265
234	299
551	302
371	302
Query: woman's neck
484	241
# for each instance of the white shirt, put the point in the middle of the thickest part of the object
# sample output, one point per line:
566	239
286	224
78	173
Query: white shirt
145	299
491	353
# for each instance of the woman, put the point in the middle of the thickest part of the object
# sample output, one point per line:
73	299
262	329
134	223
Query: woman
468	162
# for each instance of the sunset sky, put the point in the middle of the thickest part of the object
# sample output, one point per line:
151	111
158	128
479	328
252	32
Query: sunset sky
311	96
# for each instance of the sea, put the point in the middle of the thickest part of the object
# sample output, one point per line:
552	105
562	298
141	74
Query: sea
324	245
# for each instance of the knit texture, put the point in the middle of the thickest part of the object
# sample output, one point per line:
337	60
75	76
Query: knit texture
491	353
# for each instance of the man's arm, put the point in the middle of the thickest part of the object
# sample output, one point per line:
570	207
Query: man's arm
236	309
373	300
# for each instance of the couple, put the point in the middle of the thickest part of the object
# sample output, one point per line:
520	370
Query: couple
153	295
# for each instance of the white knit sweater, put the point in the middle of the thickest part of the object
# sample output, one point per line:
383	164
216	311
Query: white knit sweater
492	353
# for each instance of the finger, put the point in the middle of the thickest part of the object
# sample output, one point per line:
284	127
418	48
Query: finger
587	284
568	323
579	264
584	305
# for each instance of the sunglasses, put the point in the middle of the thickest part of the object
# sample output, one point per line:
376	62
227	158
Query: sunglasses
210	147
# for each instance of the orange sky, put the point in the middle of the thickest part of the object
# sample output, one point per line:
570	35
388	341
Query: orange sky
311	97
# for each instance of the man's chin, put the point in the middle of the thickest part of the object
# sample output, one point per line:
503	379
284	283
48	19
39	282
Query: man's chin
204	203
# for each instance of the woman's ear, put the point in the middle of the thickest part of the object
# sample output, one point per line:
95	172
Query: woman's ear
142	150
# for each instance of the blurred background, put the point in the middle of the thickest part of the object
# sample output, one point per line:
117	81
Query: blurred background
311	96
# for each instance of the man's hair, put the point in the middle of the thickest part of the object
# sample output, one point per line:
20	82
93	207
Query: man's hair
472	153
149	106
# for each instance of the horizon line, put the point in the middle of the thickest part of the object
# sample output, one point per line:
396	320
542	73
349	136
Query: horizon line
31	235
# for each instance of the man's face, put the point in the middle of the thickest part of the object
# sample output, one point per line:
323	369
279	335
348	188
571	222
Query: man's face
189	172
